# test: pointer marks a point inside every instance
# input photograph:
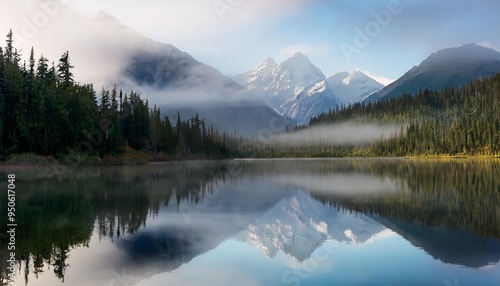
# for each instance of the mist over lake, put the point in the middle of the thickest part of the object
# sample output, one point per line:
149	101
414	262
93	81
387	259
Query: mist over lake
261	222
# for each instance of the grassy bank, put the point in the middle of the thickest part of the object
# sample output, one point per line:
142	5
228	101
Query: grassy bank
127	156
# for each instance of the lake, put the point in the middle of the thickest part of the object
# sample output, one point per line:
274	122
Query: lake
258	222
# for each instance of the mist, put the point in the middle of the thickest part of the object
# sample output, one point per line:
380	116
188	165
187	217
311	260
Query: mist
98	46
349	133
103	50
343	183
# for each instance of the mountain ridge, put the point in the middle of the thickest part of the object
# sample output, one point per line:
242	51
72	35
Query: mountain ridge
447	67
177	82
295	88
352	87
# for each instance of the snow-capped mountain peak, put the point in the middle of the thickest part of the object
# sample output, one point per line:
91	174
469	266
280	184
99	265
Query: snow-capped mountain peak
355	76
295	88
348	79
299	224
264	70
299	71
353	87
297	59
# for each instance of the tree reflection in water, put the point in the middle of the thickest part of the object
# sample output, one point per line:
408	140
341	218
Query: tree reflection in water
57	211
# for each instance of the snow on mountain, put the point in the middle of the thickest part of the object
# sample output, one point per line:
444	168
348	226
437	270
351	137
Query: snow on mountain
106	52
296	88
262	72
299	224
353	87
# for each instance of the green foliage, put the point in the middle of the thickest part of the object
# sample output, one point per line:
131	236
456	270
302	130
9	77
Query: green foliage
43	111
453	121
462	194
64	73
58	216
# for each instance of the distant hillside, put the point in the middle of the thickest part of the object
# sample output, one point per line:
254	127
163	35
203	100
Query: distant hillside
448	67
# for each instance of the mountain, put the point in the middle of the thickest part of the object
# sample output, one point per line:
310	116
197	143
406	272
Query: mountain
163	66
241	78
195	88
192	87
296	88
448	67
458	247
299	224
187	228
353	87
106	53
263	71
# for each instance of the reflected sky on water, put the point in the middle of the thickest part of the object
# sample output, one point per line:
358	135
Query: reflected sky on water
262	222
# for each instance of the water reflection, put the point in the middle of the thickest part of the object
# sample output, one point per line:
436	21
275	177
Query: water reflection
298	225
148	220
450	246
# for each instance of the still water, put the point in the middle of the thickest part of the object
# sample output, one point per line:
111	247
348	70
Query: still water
258	222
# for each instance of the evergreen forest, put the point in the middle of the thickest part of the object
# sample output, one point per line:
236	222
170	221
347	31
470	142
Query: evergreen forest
461	121
453	121
45	111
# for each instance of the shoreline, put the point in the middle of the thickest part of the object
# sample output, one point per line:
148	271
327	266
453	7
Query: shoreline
35	160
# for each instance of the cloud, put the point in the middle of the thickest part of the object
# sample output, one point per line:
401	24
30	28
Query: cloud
349	133
52	29
175	19
235	38
341	184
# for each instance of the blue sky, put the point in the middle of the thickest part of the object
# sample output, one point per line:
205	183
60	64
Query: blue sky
236	35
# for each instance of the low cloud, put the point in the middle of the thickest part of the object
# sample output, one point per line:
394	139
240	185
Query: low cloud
337	135
343	184
102	50
97	46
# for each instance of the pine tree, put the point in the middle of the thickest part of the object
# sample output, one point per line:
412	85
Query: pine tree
64	73
9	49
14	111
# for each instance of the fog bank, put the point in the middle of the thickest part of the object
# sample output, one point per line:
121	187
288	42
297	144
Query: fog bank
349	133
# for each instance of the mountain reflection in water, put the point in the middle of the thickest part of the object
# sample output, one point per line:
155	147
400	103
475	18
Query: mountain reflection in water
157	218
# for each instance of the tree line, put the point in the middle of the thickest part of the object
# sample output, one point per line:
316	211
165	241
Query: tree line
453	121
457	195
58	217
43	110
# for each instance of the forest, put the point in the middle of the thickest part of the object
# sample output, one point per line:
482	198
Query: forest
44	111
461	121
453	121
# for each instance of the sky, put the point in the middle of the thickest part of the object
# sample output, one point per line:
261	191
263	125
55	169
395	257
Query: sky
384	38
